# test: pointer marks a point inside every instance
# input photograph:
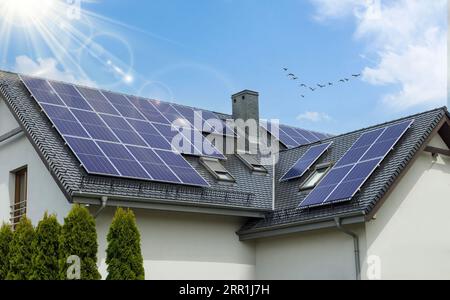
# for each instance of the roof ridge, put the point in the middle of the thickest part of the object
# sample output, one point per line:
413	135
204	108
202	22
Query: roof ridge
442	108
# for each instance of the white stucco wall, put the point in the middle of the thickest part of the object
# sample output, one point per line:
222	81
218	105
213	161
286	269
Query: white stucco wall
316	255
187	246
7	121
410	238
43	193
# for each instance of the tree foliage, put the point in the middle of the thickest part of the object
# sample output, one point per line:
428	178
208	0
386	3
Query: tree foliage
123	255
45	265
20	251
79	238
6	236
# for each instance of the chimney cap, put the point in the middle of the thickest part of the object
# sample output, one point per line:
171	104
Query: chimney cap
245	92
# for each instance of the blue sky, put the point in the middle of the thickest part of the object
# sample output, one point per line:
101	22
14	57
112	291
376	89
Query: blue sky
200	52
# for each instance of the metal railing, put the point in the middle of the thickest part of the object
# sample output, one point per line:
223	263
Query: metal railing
18	211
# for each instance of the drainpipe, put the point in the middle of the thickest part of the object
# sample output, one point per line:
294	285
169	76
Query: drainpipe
355	245
104	202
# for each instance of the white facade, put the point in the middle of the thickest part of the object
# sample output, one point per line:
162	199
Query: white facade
43	192
317	255
187	246
409	239
410	236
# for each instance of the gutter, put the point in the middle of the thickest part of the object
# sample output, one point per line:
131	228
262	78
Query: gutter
177	206
355	245
301	226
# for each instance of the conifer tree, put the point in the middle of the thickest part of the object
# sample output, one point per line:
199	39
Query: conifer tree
21	252
123	255
45	264
79	238
6	236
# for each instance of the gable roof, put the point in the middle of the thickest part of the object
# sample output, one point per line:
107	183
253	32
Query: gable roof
288	195
252	193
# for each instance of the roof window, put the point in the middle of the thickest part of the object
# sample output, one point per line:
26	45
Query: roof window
252	162
217	169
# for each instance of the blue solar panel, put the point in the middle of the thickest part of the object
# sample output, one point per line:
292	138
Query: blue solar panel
123	130
109	135
150	135
94	125
148	110
91	157
171	114
123	105
71	97
123	160
306	162
292	137
356	166
181	168
204	121
97	101
154	165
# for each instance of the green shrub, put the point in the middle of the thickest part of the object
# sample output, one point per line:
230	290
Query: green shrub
20	251
79	238
46	249
123	255
6	236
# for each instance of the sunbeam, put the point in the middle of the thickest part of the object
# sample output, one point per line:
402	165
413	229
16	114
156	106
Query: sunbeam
66	31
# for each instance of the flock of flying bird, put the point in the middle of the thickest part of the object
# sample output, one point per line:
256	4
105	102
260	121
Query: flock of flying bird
294	77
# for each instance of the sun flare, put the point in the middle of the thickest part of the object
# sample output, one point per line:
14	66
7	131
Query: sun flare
27	12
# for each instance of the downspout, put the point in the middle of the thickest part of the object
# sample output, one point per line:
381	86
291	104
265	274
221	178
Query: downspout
355	245
104	203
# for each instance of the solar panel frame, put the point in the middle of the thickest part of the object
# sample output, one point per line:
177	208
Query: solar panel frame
307	160
352	186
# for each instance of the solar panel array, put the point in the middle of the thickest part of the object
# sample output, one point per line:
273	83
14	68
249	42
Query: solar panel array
116	135
306	161
293	137
356	166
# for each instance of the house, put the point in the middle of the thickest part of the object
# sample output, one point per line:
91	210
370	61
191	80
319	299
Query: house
246	221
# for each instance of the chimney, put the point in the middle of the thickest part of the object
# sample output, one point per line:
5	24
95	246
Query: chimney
246	109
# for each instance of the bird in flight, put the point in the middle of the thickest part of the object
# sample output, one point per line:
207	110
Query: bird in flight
303	96
346	79
294	78
291	75
285	69
303	85
330	83
312	89
342	80
321	86
356	75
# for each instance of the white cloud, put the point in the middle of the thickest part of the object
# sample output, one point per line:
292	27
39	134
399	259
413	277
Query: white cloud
47	68
313	116
409	41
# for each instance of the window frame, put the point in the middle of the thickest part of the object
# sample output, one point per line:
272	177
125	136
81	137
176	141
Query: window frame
305	187
219	172
19	205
